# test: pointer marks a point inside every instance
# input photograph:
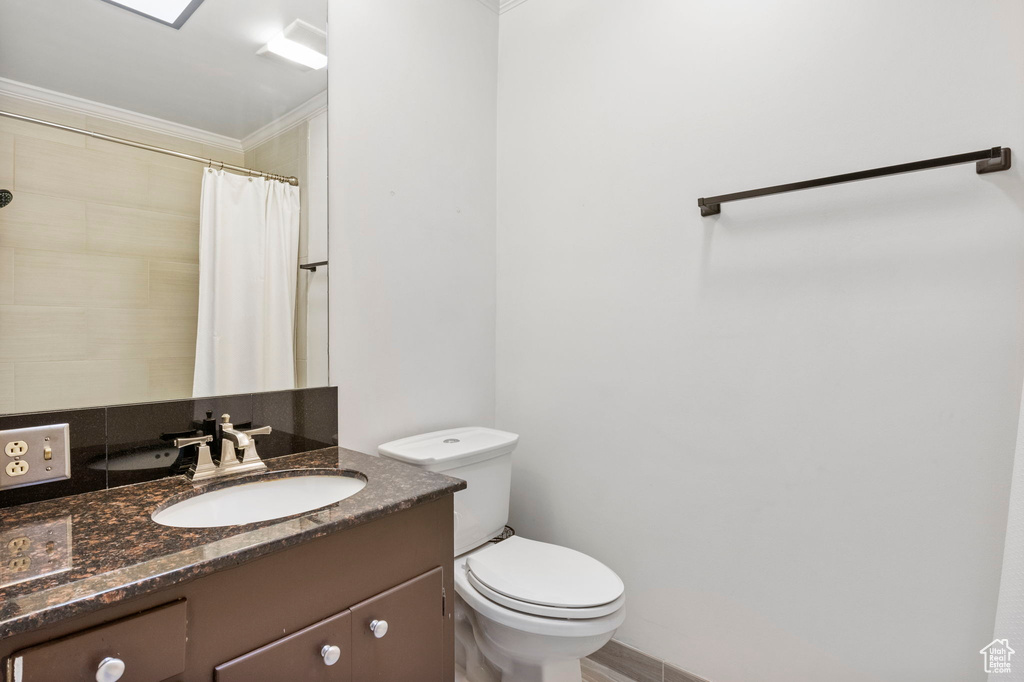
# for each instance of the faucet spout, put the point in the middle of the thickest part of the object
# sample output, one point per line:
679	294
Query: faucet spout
240	439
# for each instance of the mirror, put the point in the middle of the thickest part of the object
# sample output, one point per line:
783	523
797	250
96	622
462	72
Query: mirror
161	269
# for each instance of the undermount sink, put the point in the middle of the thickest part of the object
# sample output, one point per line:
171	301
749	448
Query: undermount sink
272	496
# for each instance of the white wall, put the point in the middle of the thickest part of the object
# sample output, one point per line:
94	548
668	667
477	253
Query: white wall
789	428
412	121
316	283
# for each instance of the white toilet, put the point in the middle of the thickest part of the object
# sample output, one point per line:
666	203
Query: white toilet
526	611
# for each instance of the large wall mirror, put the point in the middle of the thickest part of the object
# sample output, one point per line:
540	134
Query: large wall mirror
128	274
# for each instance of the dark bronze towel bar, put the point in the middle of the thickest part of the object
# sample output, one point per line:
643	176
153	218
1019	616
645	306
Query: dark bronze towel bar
988	161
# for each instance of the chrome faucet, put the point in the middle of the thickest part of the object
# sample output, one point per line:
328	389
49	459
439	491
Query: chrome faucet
232	442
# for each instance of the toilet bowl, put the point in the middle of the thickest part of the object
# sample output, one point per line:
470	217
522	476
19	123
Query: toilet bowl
537	642
526	611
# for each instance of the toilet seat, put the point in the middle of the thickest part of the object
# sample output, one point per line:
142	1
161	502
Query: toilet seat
483	608
545	580
544	611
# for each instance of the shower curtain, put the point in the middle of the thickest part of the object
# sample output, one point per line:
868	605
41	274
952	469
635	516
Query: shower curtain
248	268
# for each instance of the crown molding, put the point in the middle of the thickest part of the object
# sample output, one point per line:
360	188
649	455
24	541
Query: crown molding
506	5
297	116
37	95
500	6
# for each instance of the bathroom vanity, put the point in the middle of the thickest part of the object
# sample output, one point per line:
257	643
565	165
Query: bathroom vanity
360	591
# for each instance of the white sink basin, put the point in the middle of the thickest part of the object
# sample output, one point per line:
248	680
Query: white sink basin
261	500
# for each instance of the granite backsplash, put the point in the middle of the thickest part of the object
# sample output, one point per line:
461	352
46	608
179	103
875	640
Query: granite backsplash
124	444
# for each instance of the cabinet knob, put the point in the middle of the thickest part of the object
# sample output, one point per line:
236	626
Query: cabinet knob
379	628
331	654
111	669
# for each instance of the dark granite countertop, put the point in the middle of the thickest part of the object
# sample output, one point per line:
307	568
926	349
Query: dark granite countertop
92	550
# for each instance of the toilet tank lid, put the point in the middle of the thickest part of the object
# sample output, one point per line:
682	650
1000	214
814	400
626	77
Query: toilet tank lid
467	443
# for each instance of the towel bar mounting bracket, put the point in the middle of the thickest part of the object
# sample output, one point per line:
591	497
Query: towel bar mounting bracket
709	209
996	163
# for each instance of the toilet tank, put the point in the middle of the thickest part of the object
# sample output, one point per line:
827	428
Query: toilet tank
481	457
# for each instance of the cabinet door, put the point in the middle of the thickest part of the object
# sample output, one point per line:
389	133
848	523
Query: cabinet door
304	655
413	646
149	646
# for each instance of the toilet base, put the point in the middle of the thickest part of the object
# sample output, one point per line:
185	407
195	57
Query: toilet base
488	651
557	671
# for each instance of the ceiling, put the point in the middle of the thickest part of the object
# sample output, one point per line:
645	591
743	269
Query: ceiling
206	75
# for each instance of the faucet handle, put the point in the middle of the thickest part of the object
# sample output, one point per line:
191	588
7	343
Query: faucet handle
198	440
262	431
203	467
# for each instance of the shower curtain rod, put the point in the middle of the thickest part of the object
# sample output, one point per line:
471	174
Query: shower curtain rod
291	180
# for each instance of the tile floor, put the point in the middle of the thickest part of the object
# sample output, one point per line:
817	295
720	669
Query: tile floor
595	672
592	672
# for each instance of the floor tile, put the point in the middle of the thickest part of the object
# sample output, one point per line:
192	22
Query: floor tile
628	661
595	672
674	674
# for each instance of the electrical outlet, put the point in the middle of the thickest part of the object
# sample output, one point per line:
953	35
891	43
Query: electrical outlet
18	467
16	448
38	454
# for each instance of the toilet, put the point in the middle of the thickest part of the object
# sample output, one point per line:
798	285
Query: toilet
526	611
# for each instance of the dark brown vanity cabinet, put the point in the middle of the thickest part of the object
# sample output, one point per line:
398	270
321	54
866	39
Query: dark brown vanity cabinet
319	653
149	646
412	646
277	617
393	637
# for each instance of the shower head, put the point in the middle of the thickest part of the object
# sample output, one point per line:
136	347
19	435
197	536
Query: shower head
5	197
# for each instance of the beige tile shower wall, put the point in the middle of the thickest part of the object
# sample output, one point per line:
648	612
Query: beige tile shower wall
286	154
99	263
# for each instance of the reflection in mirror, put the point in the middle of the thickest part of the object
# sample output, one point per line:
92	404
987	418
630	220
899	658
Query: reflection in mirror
167	180
35	549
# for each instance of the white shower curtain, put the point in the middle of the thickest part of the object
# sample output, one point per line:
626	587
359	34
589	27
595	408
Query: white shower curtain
248	268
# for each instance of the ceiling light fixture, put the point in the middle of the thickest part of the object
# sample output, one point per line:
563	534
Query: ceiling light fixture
300	43
171	13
